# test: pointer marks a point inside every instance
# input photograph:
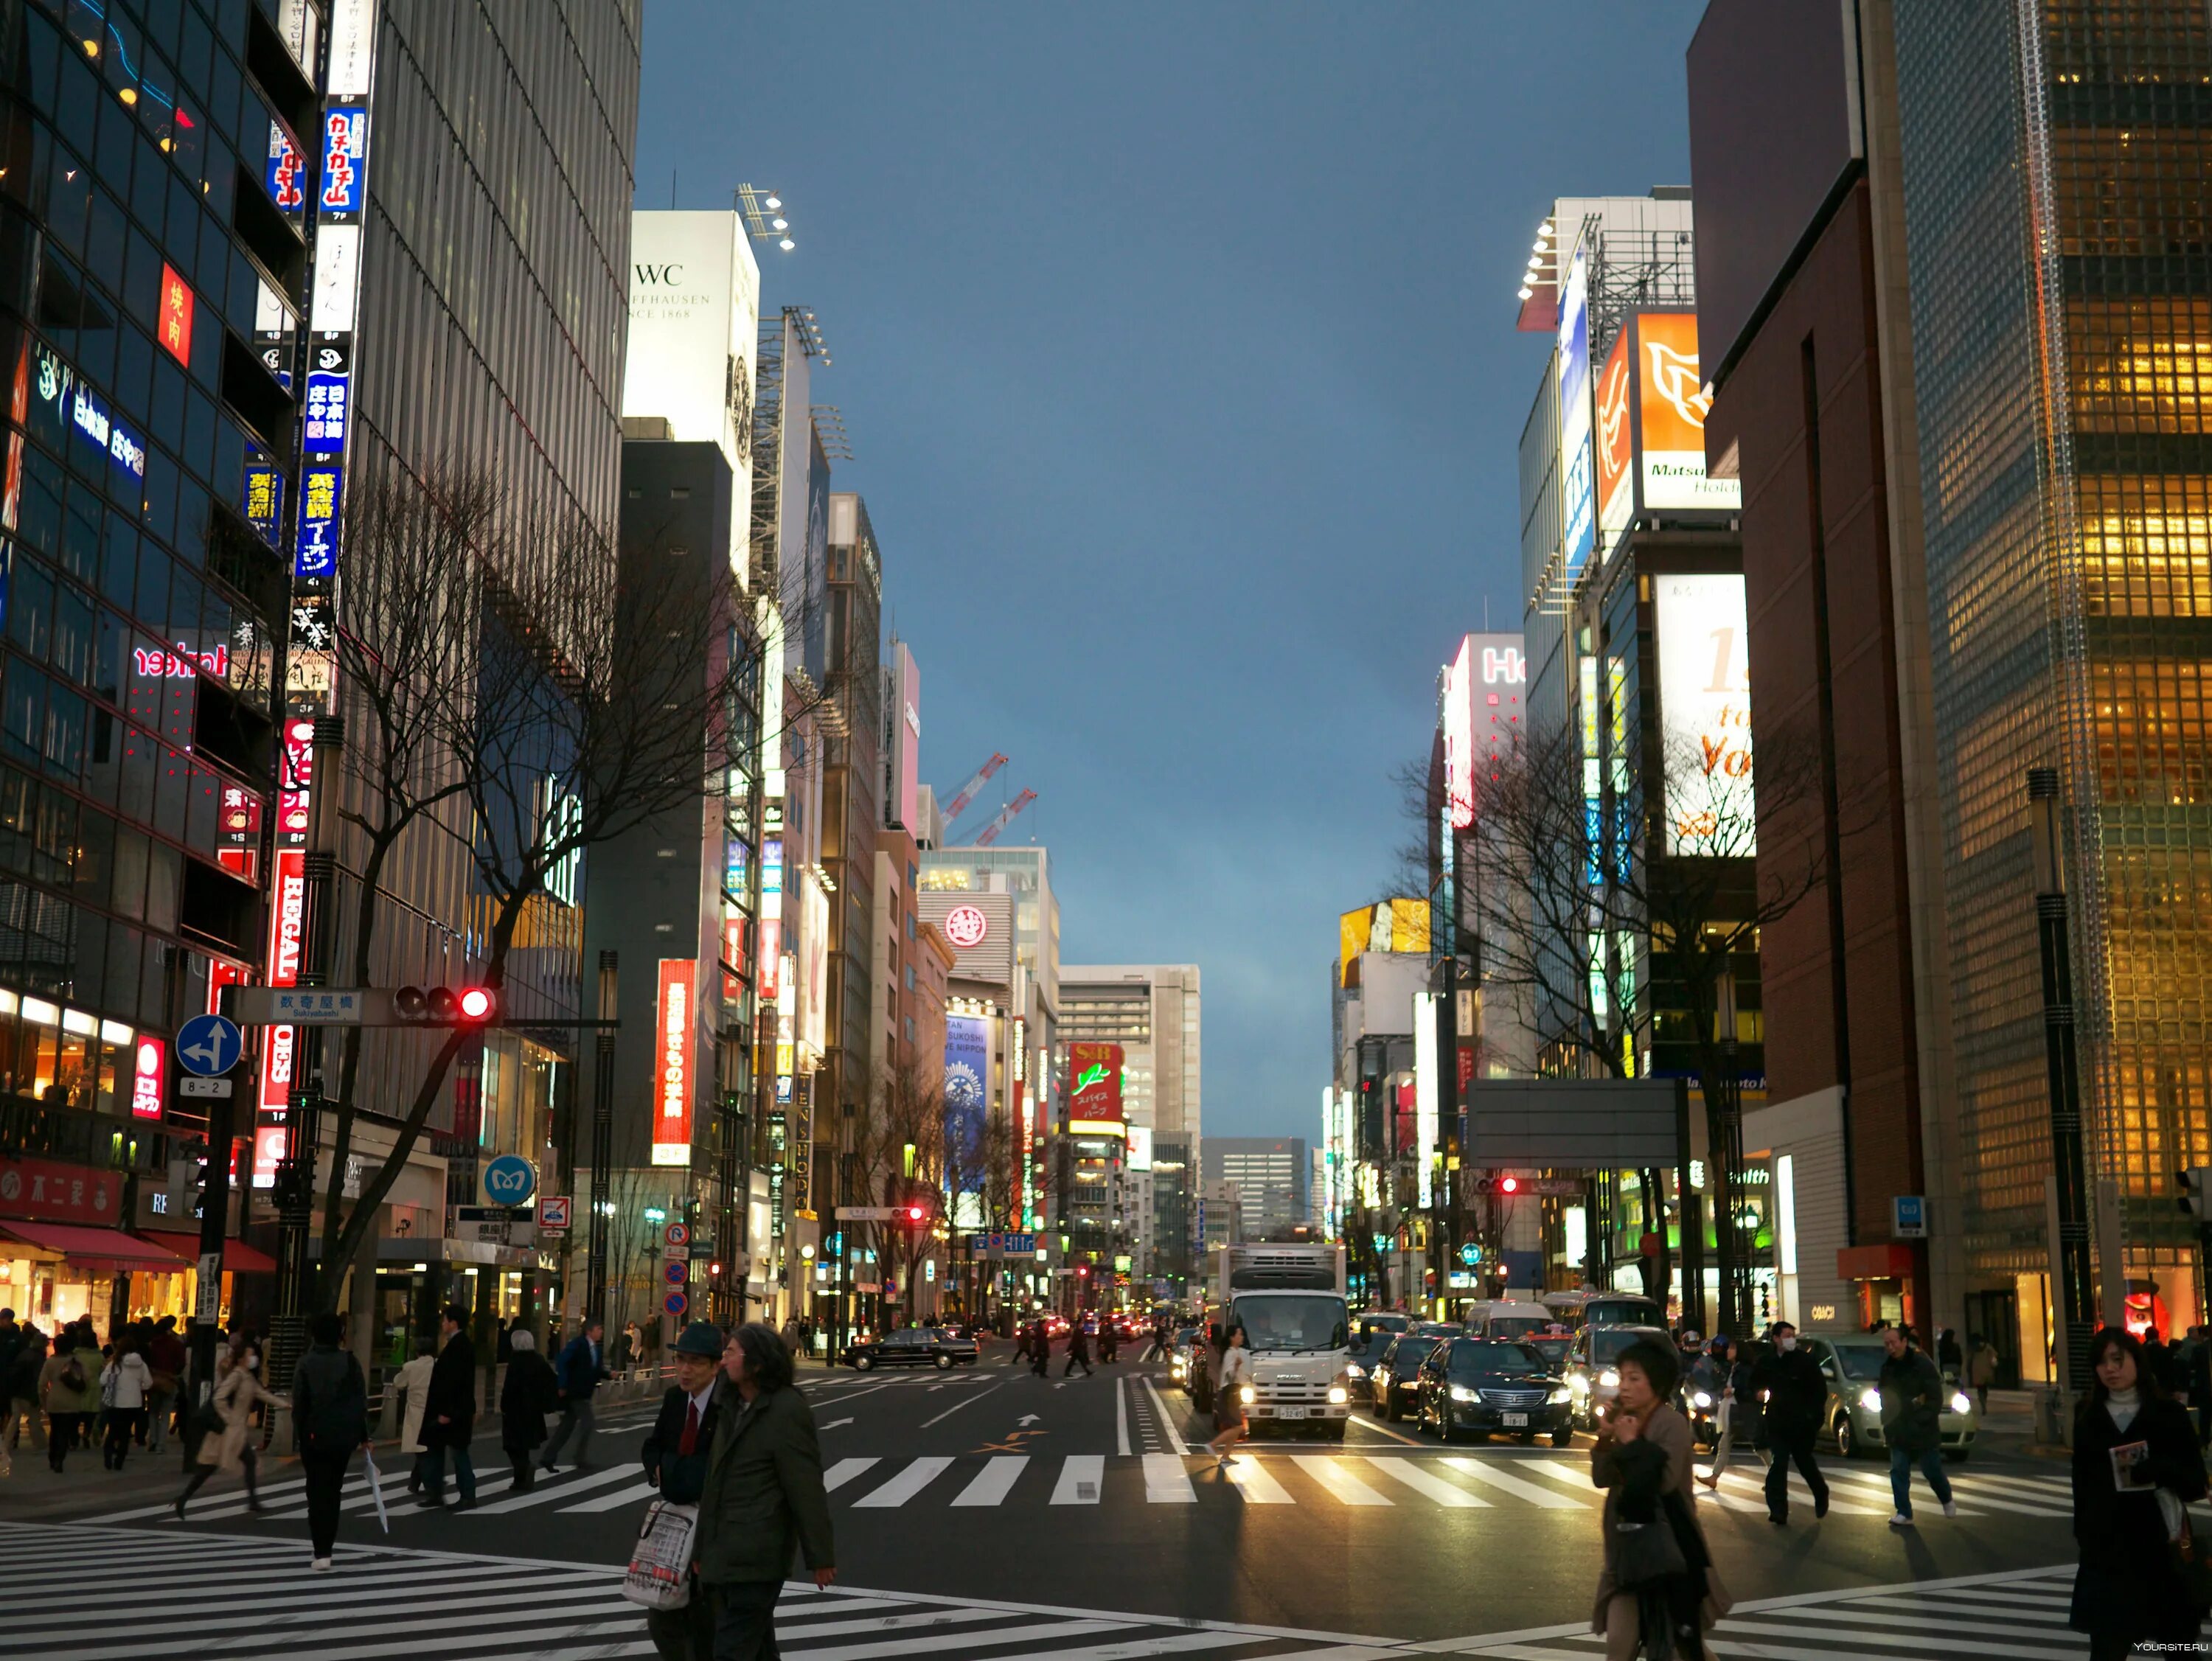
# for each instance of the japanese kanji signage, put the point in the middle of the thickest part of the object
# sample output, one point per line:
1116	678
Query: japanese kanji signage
317	553
345	151
176	325
36	1188
263	503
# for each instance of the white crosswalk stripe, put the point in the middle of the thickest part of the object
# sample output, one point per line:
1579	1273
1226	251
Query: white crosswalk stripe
1082	1480
255	1600
917	1476
993	1481
1251	1479
1338	1478
1167	1480
1491	1473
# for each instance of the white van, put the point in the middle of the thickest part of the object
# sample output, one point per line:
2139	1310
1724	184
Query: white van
1514	1320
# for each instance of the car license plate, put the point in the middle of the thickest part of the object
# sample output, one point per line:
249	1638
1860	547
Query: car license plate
1514	1418
1289	1413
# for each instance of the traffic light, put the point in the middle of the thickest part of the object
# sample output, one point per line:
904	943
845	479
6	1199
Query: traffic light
2196	1191
445	1006
915	1214
1493	1183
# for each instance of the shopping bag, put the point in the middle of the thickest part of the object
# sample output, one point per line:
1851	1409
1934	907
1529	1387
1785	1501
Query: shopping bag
375	1487
660	1573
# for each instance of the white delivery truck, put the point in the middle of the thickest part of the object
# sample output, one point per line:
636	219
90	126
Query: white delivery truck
1290	1300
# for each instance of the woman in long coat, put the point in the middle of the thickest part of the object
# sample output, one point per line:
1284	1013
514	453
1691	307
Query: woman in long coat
525	1397
228	1445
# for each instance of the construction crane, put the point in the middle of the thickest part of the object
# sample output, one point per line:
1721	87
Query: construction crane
1005	818
958	804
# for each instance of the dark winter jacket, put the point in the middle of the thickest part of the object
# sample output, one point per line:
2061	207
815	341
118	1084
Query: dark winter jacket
1911	1402
579	1371
2127	1587
329	1401
1796	1394
681	1476
526	1396
452	1396
765	1495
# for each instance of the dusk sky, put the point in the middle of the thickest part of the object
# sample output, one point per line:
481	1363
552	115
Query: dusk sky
1176	346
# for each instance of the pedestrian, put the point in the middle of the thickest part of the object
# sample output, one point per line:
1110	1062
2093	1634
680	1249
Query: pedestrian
1716	1374
626	1347
1950	1359
1656	1592
1110	1341
11	1340
1158	1349
1021	1341
1230	1373
763	1498
125	1383
2135	1467
578	1373
68	1392
675	1455
1982	1368
1079	1350
167	1356
413	1383
1911	1391
19	1390
449	1416
1040	1347
232	1451
1795	1393
329	1415
529	1392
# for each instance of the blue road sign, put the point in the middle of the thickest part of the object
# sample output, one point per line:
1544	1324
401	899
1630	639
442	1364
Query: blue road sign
209	1044
1020	1245
677	1271
676	1303
510	1179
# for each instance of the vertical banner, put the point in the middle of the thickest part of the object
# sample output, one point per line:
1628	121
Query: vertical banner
673	1085
967	1085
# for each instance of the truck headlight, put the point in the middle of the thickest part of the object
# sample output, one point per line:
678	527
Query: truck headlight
1244	1394
1463	1393
1339	1395
1561	1394
1961	1403
1609	1379
1871	1400
1353	1370
1701	1399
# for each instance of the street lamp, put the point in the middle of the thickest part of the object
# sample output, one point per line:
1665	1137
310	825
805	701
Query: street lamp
764	219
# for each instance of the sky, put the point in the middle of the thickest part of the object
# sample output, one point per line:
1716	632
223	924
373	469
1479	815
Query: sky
1176	346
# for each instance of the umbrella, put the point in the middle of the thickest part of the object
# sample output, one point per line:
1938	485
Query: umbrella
375	1487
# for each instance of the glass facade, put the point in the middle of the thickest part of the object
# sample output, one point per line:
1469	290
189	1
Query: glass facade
2055	198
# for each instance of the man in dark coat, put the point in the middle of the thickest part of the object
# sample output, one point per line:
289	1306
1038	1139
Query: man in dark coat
1040	1347
525	1398
330	1410
578	1373
1795	1394
674	1456
449	1414
764	1498
1079	1350
1912	1392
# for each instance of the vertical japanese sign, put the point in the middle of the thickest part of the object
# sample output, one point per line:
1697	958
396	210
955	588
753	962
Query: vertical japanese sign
147	1077
771	918
672	1083
176	322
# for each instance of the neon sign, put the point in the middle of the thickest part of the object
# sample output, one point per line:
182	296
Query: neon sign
672	1123
146	1078
182	664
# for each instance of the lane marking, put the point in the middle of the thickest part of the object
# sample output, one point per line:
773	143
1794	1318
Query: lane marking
1250	1478
977	1396
1337	1477
1122	1416
1382	1430
1423	1482
843	1472
1167	1424
993	1482
917	1476
620	1497
1167	1482
1540	1496
1082	1476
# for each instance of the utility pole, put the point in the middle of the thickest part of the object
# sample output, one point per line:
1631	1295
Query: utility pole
603	1146
2070	1164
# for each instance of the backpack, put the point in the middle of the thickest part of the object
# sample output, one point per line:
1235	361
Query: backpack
73	1375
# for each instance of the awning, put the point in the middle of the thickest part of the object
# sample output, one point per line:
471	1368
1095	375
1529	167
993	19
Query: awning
237	1256
100	1249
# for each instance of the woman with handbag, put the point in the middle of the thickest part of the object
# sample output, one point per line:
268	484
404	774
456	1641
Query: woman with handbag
1658	1591
2144	1578
227	1445
1230	1371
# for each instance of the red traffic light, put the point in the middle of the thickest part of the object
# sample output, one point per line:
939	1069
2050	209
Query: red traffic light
477	1004
1083	1271
443	1006
915	1214
1508	1185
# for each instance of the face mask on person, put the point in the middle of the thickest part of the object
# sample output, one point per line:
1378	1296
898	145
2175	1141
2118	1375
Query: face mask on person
1786	1342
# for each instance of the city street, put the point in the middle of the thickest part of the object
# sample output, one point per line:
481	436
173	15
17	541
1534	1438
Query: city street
994	1513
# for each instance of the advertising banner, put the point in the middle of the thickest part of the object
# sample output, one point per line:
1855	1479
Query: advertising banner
1459	736
1616	445
967	1086
1577	484
1094	1083
673	1085
1705	712
1672	403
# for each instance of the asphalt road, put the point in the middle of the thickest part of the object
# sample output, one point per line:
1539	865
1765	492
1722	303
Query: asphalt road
1074	1500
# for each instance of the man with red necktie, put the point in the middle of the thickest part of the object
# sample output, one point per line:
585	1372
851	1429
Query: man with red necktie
675	1456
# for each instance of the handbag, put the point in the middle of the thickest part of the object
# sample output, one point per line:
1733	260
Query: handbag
2192	1566
1644	1554
660	1573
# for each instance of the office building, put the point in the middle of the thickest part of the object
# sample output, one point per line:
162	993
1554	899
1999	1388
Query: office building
1153	1012
1272	1176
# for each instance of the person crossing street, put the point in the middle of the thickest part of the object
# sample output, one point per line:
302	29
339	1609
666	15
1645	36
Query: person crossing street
329	1412
449	1415
1911	1391
675	1455
1794	1392
226	1444
1079	1350
1040	1347
580	1372
526	1396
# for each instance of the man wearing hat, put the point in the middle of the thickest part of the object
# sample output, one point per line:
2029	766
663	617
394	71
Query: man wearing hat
674	1456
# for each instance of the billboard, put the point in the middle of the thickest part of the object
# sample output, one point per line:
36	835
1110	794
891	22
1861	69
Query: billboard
967	1086
695	340
1671	405
673	1086
1616	444
903	741
1704	713
1577	485
1459	734
1094	1083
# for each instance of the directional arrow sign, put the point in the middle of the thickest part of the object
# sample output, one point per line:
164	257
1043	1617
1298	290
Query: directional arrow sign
209	1044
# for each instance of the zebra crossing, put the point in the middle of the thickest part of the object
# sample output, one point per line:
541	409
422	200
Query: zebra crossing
248	1597
2017	1615
1335	1480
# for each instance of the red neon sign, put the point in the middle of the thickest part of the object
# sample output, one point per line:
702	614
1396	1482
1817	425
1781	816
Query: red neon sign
176	326
672	1086
299	775
288	924
146	1078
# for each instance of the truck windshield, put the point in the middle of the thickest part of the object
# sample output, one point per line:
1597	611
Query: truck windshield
1291	1322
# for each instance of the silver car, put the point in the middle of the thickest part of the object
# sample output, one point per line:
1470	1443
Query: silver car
1852	1363
1592	1378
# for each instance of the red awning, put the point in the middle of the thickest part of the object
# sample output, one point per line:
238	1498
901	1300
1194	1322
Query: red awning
1885	1261
237	1256
108	1249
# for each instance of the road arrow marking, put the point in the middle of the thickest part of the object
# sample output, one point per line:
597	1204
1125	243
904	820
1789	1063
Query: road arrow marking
1027	1419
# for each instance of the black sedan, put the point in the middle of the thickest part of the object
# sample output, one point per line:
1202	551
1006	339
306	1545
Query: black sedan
1491	1386
913	1346
1392	1386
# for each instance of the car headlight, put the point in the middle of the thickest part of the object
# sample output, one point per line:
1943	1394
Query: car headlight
1871	1400
1463	1393
1244	1394
1609	1379
1560	1395
1701	1399
1353	1370
1579	1382
1339	1394
1961	1403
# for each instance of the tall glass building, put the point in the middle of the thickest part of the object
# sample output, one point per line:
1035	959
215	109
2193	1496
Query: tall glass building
2055	206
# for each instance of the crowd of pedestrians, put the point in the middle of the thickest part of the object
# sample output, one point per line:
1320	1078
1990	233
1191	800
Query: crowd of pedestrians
69	1390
